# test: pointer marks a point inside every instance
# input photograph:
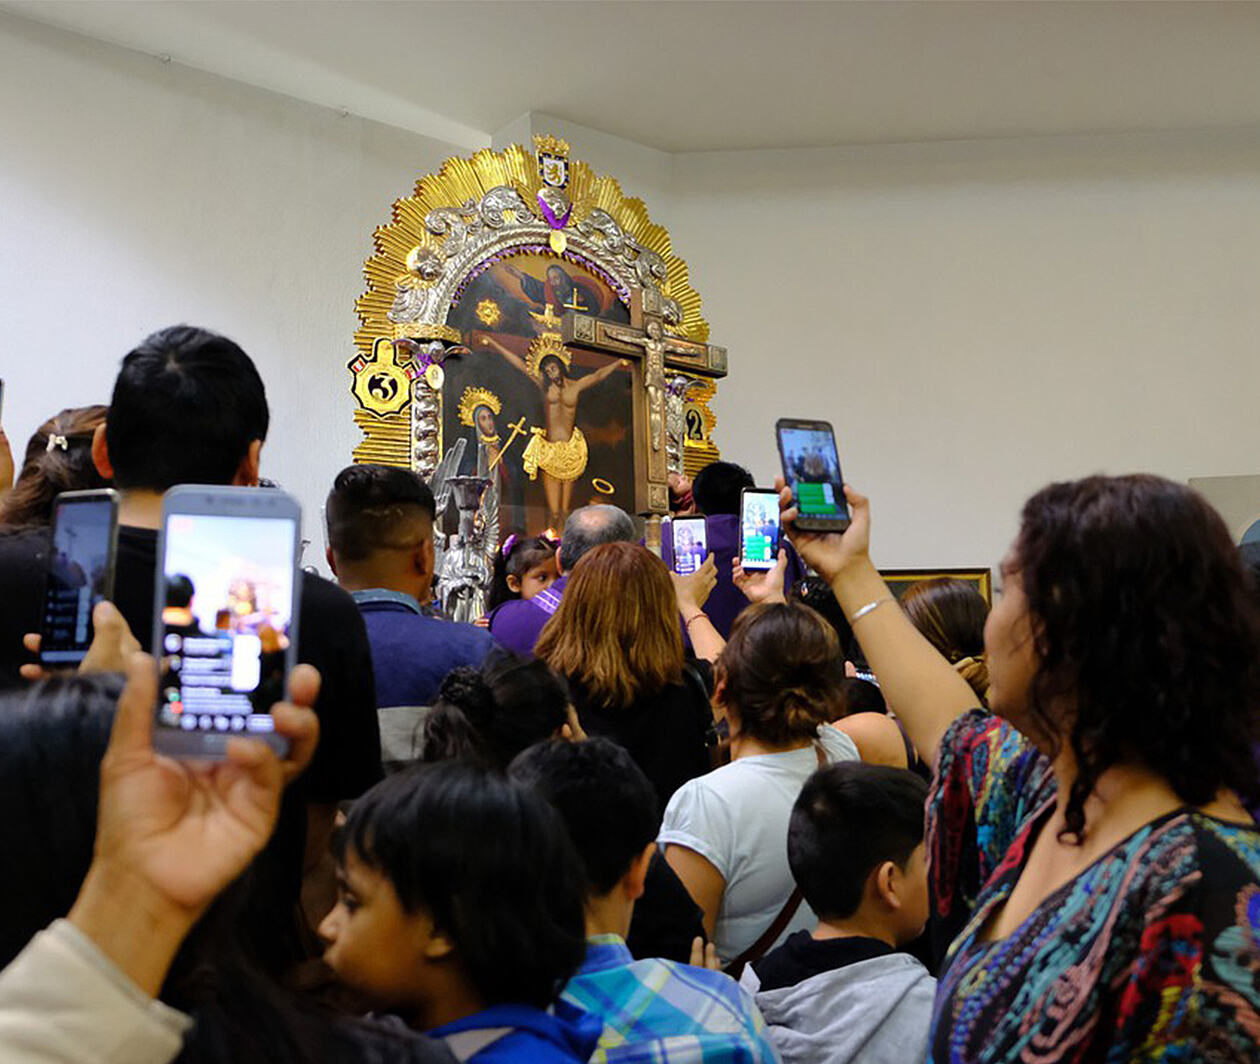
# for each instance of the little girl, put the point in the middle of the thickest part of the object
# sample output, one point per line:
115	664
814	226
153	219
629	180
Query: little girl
524	567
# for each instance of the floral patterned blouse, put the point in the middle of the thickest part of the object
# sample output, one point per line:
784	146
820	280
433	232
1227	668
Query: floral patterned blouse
1151	954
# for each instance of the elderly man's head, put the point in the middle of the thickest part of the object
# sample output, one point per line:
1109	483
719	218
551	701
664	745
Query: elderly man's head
590	527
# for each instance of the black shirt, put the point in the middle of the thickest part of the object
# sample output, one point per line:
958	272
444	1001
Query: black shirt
666	733
802	957
665	919
331	636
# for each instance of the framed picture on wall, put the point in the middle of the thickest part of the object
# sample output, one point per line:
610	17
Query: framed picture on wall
900	581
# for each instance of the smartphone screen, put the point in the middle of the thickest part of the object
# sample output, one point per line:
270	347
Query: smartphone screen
691	545
80	572
227	621
758	529
811	468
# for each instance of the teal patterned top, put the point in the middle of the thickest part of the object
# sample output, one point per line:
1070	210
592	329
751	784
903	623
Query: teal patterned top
1151	954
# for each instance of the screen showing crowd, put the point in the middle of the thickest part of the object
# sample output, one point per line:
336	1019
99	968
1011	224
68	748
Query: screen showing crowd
813	470
227	620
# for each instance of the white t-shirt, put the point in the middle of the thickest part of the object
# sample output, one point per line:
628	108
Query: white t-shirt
737	818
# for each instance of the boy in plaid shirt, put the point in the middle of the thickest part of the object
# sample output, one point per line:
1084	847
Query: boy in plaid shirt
654	1011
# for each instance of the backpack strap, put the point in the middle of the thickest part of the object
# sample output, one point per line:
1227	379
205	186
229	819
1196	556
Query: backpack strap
779	924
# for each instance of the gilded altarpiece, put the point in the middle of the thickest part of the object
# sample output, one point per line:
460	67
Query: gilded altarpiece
521	303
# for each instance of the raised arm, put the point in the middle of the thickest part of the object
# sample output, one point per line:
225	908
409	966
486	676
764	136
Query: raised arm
514	360
919	684
600	375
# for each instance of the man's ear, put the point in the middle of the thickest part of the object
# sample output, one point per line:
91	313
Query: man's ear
636	875
331	559
247	471
100	453
426	557
559	567
886	882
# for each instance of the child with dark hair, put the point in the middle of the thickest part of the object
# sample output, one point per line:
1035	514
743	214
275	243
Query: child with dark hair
492	714
524	566
843	992
652	1009
460	909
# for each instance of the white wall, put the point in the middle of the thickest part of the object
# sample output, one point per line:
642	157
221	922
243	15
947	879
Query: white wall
136	194
980	318
977	318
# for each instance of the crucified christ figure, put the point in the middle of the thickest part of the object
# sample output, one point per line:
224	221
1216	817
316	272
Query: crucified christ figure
560	449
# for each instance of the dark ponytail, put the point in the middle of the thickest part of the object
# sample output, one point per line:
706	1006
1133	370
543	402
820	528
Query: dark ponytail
58	458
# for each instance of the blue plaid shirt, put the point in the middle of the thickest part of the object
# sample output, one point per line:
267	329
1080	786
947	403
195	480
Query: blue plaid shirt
663	1012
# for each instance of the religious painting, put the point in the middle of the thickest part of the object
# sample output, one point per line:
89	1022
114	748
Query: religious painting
558	422
900	581
530	343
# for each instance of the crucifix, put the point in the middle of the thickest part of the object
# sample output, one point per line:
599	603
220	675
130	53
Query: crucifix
646	339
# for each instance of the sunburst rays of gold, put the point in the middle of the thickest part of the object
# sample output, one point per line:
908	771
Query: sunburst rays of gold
460	180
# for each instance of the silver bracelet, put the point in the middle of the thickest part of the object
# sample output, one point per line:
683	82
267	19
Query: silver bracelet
864	610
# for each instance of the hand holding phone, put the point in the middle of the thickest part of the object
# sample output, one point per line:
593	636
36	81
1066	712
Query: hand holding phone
811	468
80	573
831	553
226	596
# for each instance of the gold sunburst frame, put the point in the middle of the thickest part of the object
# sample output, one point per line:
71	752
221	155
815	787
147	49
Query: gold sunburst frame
470	213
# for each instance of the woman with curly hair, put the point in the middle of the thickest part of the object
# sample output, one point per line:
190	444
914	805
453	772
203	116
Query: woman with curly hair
1087	841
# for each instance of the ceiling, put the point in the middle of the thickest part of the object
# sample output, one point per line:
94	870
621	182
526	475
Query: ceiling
701	76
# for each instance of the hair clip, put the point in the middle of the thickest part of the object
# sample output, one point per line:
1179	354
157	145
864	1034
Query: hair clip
57	441
508	544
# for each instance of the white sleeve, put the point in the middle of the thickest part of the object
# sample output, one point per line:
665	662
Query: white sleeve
837	745
699	819
63	1002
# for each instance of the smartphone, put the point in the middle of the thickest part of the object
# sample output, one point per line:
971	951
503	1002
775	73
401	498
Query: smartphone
811	468
758	529
691	544
80	574
225	615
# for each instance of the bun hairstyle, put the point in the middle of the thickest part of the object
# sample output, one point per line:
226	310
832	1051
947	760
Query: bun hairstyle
518	556
951	614
489	715
58	458
783	673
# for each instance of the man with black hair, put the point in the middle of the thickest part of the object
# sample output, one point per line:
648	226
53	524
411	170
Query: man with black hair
652	1010
843	992
189	407
517	623
716	490
380	548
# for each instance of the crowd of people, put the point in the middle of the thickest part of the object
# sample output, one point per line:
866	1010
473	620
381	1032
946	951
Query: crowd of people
634	816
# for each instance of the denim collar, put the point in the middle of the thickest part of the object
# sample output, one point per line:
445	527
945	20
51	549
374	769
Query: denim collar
372	595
